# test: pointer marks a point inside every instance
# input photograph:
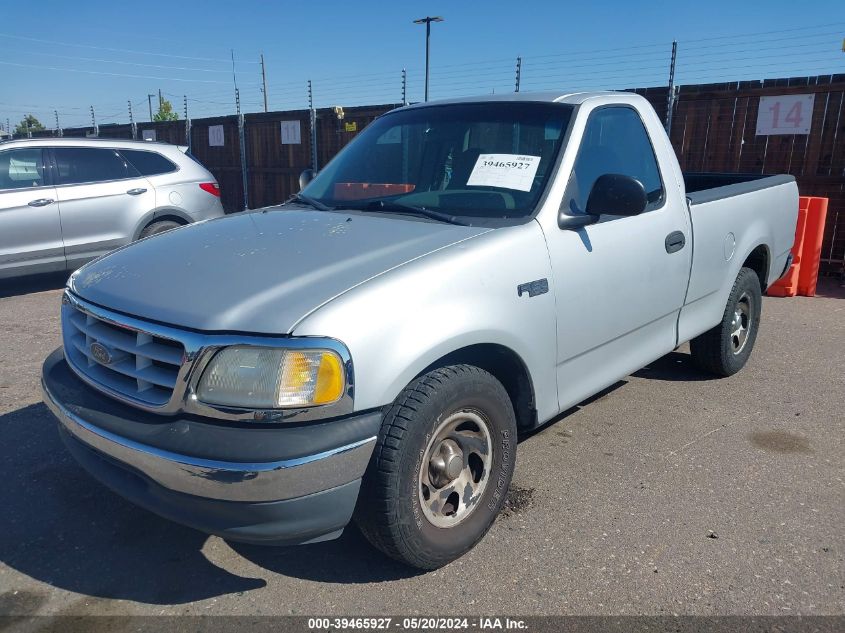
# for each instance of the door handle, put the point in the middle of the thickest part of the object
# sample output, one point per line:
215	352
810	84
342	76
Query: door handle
136	192
41	202
675	241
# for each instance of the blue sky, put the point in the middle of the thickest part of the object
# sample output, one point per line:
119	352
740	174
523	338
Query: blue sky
97	53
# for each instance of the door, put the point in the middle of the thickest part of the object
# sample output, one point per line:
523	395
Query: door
30	230
618	287
101	200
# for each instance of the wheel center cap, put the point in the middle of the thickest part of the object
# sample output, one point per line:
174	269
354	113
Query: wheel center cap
446	463
454	465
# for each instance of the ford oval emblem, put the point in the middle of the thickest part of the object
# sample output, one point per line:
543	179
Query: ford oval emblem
100	353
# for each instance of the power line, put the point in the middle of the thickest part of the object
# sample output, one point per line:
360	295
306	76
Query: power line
746	35
115	61
100	72
118	50
763	41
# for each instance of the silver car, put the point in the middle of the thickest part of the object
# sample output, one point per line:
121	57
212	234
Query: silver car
64	202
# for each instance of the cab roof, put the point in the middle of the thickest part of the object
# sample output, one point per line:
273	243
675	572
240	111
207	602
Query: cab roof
571	98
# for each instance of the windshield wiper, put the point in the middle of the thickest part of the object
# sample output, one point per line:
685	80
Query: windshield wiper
398	207
311	202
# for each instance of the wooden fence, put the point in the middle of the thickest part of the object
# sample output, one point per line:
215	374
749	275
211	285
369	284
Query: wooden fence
713	129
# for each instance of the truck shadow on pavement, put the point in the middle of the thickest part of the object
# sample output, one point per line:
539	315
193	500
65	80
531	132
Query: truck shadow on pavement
675	366
349	559
60	527
28	285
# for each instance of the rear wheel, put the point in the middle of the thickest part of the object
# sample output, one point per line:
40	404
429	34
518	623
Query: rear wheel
441	467
725	349
161	226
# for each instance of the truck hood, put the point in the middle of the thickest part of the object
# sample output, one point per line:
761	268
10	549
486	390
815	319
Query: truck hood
256	272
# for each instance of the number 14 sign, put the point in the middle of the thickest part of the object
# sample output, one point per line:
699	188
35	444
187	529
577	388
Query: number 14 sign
788	114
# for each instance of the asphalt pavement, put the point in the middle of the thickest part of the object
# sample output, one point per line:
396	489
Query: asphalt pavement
669	493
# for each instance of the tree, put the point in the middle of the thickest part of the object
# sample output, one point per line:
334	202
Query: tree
165	112
28	124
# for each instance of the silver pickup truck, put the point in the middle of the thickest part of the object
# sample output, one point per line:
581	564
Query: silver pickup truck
462	272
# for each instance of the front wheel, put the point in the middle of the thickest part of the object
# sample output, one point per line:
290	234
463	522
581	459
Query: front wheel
441	468
725	349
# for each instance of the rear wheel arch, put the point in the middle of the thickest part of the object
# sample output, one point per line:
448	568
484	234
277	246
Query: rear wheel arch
759	260
160	215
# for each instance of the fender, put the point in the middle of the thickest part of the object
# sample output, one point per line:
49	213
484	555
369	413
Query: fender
401	322
708	293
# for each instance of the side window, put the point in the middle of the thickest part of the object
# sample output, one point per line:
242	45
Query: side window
148	163
21	168
615	142
78	165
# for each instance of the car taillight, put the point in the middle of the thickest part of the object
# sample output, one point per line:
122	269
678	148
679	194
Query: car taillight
211	187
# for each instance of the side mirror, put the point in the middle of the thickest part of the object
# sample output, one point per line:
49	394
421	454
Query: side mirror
615	194
575	221
305	177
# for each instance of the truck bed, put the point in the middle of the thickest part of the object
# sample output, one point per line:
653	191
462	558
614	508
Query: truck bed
734	213
708	186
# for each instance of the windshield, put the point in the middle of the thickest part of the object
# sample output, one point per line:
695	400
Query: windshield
475	160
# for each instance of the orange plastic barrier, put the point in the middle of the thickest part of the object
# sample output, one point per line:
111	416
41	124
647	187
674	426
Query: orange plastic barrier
811	251
787	286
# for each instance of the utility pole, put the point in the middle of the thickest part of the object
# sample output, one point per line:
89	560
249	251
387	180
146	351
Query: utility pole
670	104
518	72
264	81
8	128
427	21
94	122
132	125
237	102
404	87
59	131
312	117
160	102
150	102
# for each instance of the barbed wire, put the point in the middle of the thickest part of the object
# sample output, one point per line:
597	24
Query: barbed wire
729	57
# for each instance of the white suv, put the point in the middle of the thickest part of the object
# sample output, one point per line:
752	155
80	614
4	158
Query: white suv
65	201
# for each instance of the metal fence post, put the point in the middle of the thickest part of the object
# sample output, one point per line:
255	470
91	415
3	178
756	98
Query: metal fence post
132	125
187	124
670	103
242	138
404	87
312	116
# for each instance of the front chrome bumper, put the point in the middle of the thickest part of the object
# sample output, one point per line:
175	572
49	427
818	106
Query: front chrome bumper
214	479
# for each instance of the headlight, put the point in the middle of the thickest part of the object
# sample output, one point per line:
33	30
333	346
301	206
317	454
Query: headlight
268	378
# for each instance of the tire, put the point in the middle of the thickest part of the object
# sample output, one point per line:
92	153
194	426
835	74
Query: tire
393	511
158	227
725	349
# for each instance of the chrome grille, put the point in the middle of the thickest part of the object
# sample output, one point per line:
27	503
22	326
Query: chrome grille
131	363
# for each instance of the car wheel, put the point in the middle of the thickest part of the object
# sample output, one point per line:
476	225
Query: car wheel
159	227
725	349
441	467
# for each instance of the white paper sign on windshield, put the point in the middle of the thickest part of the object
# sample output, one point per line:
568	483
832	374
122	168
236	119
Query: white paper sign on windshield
508	171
